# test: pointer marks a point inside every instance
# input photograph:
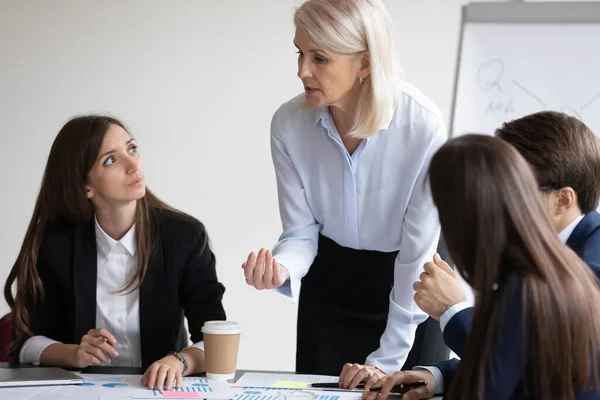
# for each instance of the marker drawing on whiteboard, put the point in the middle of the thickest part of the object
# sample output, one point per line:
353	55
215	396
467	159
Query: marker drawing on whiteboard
529	92
489	75
500	106
589	103
509	107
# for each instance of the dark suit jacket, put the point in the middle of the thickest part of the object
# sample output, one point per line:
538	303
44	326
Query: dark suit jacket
584	241
180	278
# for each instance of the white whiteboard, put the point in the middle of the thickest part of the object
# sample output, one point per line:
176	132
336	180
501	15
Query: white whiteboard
520	58
508	70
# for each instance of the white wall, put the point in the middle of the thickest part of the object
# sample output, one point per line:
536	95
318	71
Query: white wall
197	81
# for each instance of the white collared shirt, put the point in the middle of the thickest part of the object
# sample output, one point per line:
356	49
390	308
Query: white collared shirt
374	199
118	313
563	236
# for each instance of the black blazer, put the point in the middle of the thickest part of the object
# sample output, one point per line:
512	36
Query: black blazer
181	278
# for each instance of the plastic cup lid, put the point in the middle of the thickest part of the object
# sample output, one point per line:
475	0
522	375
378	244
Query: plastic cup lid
221	328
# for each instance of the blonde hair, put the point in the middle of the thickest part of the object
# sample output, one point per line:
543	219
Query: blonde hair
351	27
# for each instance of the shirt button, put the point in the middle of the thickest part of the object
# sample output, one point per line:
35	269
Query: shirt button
120	320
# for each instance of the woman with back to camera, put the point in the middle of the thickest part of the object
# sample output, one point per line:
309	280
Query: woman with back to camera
535	330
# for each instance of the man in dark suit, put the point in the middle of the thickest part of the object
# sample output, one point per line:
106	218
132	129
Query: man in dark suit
565	157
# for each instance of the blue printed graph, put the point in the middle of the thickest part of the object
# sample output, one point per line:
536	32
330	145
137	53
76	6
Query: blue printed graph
106	385
187	389
254	396
197	381
114	385
250	393
272	394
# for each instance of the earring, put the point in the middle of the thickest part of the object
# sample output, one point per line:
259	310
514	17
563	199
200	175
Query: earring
361	79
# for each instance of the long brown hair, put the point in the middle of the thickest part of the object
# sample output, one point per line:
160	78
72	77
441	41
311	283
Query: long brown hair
62	200
494	224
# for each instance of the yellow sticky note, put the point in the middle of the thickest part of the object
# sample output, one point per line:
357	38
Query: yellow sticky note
291	385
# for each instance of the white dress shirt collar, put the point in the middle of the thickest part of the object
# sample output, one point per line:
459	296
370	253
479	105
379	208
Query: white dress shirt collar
106	244
564	235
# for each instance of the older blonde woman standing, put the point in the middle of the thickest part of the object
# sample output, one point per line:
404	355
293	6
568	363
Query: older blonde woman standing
351	156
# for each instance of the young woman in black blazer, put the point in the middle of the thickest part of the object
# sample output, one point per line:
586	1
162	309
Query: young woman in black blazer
107	271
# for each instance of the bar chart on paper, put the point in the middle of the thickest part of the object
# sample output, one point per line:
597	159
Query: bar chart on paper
129	386
273	394
257	394
198	389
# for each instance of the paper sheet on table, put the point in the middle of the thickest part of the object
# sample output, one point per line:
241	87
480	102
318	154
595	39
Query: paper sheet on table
46	396
129	386
291	381
281	394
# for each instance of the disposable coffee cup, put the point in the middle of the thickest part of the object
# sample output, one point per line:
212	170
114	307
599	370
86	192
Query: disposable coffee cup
221	346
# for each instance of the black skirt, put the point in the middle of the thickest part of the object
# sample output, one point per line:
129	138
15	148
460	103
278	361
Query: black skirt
343	307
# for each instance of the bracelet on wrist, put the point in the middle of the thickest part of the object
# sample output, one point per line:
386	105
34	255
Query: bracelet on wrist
181	358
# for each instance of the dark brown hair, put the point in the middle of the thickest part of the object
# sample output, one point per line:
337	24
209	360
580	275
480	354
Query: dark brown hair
562	150
62	199
494	225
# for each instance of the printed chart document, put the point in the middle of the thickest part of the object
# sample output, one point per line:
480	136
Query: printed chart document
130	386
282	381
287	394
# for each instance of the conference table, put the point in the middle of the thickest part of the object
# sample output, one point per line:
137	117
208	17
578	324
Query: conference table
44	393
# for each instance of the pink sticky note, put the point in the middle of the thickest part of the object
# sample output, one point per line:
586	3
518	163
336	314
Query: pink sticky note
167	394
